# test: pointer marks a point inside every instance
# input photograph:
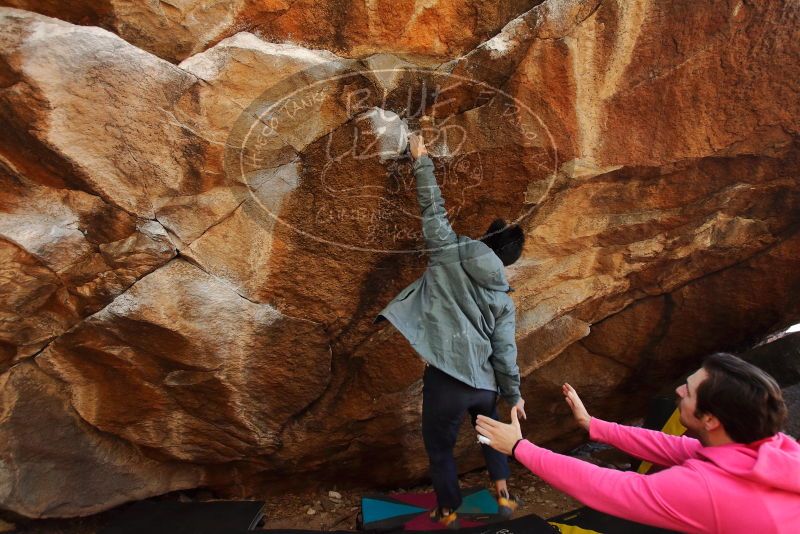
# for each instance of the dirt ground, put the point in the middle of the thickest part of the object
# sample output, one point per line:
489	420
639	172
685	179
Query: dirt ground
292	511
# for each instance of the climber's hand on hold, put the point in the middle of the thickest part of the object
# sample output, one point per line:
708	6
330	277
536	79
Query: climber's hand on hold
416	144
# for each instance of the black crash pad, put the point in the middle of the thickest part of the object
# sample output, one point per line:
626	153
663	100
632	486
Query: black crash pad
172	517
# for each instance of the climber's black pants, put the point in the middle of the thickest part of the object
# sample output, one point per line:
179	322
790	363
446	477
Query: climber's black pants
445	400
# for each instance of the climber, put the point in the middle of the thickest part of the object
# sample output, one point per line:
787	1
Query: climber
740	475
460	319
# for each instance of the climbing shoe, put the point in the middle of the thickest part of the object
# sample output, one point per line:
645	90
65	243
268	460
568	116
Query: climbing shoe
507	504
449	520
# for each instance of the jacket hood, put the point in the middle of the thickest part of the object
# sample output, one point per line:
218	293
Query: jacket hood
482	264
773	462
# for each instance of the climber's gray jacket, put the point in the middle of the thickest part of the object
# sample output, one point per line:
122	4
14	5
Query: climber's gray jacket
458	314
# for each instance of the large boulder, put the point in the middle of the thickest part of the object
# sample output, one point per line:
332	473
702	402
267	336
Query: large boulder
175	30
55	464
65	255
193	254
206	375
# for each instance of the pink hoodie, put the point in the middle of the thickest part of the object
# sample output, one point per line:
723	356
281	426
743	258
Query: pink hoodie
732	488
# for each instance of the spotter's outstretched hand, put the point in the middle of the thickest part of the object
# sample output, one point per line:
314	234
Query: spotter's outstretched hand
503	436
575	404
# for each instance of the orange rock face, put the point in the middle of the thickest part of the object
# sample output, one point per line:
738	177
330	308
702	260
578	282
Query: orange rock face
192	254
175	30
